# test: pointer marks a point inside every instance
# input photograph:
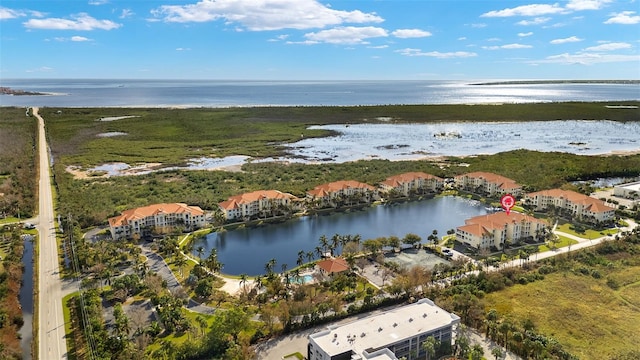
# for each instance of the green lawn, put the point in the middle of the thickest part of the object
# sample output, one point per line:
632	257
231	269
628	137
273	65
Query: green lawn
564	241
8	220
588	234
590	319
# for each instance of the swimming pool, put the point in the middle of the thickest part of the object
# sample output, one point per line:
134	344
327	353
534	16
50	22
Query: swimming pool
304	279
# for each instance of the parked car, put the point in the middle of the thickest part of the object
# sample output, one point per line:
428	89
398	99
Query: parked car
29	226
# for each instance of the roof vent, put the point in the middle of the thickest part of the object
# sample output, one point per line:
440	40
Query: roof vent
379	329
424	315
410	319
395	324
362	335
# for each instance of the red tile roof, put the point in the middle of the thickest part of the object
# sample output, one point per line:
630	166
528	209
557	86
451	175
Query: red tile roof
326	189
333	265
487	223
504	182
247	198
400	179
594	205
151	210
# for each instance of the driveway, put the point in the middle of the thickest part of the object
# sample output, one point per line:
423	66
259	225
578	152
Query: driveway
158	265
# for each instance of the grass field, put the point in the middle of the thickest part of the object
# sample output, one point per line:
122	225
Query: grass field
587	234
590	319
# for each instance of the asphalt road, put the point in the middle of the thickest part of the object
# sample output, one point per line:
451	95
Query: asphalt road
51	334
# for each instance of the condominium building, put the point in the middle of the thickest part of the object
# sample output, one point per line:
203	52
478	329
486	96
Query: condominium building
157	217
485	231
395	333
412	181
628	191
256	203
345	191
577	205
488	183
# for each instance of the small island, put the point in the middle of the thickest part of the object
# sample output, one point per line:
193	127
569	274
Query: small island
10	91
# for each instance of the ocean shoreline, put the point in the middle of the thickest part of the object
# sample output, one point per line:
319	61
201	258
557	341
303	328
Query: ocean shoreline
193	106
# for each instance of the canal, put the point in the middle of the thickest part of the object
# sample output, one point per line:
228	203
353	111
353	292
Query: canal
247	250
26	298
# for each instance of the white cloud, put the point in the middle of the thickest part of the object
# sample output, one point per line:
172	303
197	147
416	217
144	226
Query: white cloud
479	26
279	38
624	18
578	5
306	42
526	10
494	39
73	38
410	33
462	38
525	34
80	38
98	2
183	49
508	47
548	9
609	46
347	35
6	13
378	47
80	21
565	40
265	14
436	54
126	13
536	21
40	69
587	59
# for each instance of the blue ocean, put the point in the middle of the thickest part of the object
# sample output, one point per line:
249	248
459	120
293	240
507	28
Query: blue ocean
201	93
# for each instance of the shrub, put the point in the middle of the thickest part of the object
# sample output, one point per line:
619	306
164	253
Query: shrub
613	284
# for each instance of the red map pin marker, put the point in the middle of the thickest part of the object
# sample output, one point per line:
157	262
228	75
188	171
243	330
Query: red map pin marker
507	202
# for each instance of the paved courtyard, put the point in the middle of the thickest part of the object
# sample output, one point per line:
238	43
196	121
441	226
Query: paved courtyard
412	257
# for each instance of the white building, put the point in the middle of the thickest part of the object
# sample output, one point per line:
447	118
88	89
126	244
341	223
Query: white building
628	191
412	181
488	183
578	205
156	217
396	333
256	203
332	193
485	231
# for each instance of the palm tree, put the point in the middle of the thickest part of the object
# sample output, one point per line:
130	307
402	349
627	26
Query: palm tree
180	262
319	252
300	260
284	267
257	281
477	352
243	283
497	352
429	345
310	256
202	324
335	241
200	251
324	243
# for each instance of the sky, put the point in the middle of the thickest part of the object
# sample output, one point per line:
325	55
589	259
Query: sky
320	40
